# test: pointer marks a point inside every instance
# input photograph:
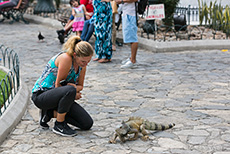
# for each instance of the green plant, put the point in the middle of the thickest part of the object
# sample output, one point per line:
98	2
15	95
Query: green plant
3	90
204	12
215	15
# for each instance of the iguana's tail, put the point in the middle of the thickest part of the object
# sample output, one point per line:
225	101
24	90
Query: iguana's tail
154	126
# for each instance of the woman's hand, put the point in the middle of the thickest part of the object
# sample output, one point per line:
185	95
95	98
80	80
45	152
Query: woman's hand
78	96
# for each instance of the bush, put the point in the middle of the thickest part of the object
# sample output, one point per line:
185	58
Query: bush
2	77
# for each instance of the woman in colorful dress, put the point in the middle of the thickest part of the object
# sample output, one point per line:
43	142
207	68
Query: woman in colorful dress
103	30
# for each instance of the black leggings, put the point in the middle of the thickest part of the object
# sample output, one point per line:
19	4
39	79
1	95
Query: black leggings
62	99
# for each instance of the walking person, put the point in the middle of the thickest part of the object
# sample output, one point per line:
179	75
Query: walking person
129	30
103	30
60	85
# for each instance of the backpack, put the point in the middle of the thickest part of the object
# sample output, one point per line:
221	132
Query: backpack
141	6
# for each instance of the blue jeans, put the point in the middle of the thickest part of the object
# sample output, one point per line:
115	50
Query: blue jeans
87	31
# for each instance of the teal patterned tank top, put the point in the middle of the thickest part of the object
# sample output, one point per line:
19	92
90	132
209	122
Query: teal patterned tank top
49	75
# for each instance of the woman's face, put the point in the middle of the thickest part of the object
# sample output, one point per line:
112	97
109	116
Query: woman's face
83	61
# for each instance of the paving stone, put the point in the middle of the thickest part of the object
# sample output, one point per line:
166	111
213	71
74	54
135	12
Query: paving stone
196	140
171	144
192	132
226	137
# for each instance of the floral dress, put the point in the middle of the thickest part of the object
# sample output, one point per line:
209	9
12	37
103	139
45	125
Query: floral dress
103	29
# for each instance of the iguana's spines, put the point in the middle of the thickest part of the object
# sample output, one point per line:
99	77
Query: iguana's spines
134	118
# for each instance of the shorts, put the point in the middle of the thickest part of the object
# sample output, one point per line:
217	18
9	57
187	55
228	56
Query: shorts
129	29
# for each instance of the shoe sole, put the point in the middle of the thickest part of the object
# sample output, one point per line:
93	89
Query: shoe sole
45	128
66	135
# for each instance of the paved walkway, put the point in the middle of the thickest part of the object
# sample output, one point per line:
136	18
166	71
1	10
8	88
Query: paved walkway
190	89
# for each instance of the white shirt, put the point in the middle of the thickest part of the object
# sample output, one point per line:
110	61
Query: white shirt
129	8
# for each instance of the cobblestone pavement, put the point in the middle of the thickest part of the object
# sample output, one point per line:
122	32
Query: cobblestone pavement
190	89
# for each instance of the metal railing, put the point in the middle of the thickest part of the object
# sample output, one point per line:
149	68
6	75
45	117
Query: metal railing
10	84
191	13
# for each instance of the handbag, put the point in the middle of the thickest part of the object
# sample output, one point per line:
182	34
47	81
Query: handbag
114	6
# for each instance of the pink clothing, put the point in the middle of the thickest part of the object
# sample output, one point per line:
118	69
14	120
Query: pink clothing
4	2
78	26
79	18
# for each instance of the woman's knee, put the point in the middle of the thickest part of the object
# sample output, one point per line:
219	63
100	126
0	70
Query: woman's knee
87	125
71	91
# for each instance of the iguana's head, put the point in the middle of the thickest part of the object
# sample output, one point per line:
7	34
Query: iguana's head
123	129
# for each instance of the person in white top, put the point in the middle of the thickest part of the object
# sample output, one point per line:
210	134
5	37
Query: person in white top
129	29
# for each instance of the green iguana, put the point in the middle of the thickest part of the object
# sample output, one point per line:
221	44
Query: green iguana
134	125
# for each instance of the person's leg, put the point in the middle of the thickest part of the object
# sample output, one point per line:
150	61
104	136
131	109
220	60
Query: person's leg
129	29
59	99
77	116
85	29
78	33
90	32
134	47
113	33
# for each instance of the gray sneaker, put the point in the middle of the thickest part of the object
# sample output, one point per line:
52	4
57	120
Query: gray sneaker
128	64
125	61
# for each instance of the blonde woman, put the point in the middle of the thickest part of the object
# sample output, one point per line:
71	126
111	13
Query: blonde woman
60	85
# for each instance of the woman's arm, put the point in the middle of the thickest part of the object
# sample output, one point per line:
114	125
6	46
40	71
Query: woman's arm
18	5
81	79
64	63
79	86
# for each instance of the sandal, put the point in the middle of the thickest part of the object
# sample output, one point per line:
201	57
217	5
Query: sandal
104	60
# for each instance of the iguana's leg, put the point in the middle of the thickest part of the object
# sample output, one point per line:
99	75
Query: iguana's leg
145	136
122	138
135	132
113	139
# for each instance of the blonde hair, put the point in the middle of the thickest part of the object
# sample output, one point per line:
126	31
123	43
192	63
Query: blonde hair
81	48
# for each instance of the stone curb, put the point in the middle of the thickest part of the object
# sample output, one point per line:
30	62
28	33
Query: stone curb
14	112
148	44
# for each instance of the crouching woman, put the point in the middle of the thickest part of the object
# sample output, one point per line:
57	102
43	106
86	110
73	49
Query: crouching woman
60	85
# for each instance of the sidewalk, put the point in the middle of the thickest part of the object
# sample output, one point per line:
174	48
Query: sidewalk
189	88
150	45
